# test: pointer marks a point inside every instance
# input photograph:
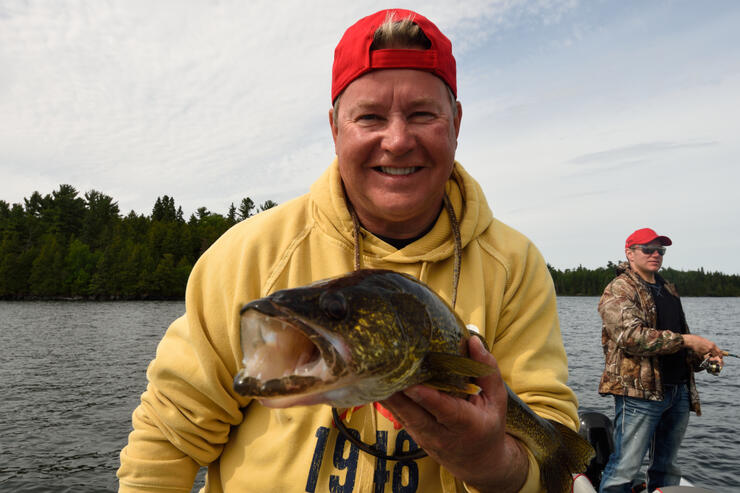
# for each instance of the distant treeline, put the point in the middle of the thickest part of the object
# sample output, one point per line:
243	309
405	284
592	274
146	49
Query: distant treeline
591	282
64	246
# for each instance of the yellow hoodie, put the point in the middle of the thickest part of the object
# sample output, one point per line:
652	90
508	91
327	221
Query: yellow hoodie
190	416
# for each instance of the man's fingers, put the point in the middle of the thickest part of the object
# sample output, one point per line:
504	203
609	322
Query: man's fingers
491	385
409	413
477	350
424	409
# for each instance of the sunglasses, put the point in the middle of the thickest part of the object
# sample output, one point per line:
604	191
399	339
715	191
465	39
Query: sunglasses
648	250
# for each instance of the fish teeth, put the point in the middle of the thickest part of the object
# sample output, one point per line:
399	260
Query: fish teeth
268	337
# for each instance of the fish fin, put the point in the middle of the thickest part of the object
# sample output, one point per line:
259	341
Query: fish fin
468	388
571	457
457	365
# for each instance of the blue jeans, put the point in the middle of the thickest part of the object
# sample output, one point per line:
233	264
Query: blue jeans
641	424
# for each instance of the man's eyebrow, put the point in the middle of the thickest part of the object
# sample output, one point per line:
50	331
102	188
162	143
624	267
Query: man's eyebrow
423	102
365	104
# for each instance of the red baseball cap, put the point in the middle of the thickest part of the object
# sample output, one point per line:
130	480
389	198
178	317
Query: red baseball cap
353	58
644	236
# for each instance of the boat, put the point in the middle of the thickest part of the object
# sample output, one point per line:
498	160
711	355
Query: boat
597	429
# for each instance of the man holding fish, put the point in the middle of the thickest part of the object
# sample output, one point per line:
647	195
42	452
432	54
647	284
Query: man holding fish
395	199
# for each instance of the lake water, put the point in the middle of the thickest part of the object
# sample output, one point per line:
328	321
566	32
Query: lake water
71	373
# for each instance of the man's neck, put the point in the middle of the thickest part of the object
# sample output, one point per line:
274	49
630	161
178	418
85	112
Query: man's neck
646	275
400	230
399	243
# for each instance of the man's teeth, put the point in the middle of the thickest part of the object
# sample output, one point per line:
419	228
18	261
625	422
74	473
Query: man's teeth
397	171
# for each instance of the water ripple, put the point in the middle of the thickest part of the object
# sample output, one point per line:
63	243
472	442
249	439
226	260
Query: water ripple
708	455
72	373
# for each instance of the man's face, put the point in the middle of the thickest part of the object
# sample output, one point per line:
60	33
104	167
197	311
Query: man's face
395	137
643	262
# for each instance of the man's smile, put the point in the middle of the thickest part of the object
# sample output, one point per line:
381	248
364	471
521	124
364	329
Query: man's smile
397	171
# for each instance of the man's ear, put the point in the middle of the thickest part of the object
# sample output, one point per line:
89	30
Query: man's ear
458	118
628	252
333	127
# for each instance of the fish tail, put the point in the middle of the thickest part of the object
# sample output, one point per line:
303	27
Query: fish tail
571	457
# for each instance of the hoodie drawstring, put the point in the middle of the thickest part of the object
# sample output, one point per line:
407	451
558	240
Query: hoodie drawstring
357	236
455	225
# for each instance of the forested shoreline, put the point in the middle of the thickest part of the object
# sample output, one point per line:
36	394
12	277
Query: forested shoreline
66	246
591	282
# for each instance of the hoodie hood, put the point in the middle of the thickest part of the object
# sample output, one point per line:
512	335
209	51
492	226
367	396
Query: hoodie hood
465	194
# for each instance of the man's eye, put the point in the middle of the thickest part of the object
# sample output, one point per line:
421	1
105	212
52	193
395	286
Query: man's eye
368	117
422	115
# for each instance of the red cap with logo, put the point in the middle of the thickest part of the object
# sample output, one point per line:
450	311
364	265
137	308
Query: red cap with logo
353	58
645	236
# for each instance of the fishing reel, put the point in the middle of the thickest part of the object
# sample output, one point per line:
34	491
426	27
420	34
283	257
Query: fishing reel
712	367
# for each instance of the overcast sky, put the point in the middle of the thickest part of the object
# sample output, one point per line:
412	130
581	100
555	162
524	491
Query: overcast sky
582	120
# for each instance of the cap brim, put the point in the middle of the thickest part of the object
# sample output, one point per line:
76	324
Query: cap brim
664	240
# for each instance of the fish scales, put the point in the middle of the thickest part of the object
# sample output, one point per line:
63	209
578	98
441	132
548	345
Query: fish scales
359	338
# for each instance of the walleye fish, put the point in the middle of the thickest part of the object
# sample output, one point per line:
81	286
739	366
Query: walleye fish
358	338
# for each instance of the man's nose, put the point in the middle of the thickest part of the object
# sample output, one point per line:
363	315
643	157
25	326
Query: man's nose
398	138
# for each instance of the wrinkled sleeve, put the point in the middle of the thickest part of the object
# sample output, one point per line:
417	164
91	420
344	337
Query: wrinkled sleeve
186	412
528	345
529	350
625	324
531	485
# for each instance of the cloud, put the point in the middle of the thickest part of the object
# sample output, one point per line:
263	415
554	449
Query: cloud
633	152
137	98
622	159
566	106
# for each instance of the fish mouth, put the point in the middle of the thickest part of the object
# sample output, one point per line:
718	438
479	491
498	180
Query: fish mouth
286	360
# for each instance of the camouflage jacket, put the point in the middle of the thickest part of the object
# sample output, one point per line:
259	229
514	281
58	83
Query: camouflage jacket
632	344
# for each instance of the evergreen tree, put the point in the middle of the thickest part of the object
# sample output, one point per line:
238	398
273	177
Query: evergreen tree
60	245
182	273
164	209
67	213
79	266
36	204
231	215
163	277
15	265
246	208
38	216
137	271
5	214
267	204
100	217
107	283
47	270
135	227
13	220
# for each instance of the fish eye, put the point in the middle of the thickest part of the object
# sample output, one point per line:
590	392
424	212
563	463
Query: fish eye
334	305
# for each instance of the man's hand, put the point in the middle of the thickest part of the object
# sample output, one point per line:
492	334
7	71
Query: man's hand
703	347
467	437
